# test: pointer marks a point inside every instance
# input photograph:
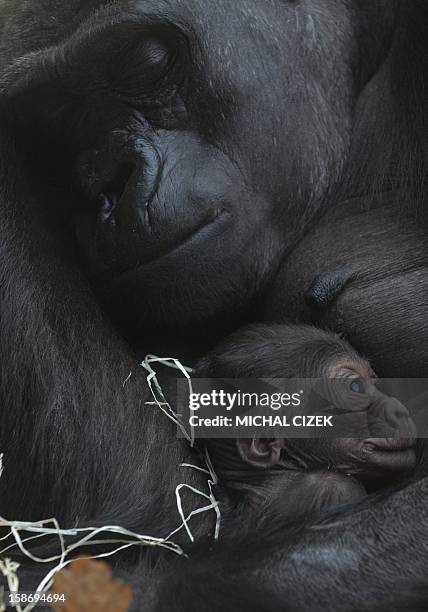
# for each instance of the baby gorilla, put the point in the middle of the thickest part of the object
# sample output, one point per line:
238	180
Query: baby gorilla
299	476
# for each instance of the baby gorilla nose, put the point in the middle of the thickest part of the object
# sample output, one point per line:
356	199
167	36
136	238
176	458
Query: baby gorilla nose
396	415
388	418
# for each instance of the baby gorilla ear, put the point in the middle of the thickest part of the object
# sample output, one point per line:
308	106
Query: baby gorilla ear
260	452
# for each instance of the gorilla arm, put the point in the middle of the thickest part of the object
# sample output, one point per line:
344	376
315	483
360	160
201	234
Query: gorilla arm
373	552
78	444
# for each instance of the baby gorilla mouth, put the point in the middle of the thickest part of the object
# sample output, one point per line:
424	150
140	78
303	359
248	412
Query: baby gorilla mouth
392	445
393	456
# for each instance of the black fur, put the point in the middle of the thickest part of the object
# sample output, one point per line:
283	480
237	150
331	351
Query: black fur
278	105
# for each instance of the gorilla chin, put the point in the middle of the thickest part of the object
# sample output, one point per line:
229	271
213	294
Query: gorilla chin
174	276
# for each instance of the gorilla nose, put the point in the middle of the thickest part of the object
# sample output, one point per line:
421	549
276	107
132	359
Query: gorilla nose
396	415
120	180
104	178
389	415
104	173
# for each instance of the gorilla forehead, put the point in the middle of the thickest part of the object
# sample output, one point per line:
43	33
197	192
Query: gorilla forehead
260	53
221	25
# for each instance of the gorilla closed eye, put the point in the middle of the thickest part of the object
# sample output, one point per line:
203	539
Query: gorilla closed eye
143	64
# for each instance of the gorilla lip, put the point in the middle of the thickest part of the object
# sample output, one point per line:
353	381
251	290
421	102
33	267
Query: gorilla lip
391	444
208	225
397	455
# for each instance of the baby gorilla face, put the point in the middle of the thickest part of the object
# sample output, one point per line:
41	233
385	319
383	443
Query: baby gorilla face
389	446
382	445
377	436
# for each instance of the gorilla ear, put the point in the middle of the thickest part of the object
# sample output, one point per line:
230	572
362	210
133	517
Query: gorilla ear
260	452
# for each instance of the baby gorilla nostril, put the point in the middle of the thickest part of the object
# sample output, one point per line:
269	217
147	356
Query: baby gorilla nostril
389	418
398	418
396	414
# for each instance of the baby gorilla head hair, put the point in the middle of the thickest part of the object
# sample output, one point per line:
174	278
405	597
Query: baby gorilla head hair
280	351
301	475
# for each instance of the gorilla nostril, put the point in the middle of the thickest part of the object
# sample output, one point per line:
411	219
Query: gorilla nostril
113	189
107	207
396	415
102	175
120	180
388	417
116	186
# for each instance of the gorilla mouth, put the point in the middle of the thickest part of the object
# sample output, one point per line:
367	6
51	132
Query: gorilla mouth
395	455
391	445
206	229
115	243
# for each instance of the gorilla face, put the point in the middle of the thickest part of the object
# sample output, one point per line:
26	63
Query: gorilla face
200	138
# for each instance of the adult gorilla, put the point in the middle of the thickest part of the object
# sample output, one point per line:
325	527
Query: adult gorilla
189	145
196	134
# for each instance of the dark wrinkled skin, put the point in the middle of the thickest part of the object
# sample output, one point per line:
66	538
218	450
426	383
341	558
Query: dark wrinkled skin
236	148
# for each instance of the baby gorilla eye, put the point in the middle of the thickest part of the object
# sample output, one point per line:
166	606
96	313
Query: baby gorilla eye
357	386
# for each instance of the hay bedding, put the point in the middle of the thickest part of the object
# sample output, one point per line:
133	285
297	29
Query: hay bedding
23	534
